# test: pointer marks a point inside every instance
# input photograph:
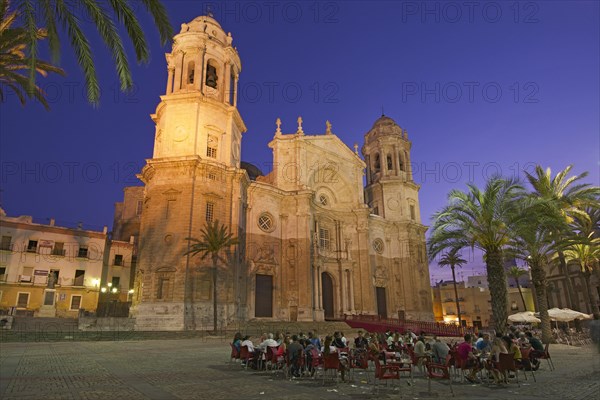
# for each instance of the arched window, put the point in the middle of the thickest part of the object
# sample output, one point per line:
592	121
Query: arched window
377	163
211	76
390	164
401	160
191	72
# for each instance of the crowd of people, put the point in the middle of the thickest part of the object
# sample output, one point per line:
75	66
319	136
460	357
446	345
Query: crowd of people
473	354
484	353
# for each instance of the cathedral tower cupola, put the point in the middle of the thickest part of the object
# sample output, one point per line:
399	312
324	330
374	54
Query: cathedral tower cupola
198	114
387	151
204	60
391	192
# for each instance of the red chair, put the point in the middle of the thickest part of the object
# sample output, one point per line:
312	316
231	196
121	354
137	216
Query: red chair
314	361
235	354
359	359
525	363
385	372
275	357
507	364
546	356
246	356
439	371
331	361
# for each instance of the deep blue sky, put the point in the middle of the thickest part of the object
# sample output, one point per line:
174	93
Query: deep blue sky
496	88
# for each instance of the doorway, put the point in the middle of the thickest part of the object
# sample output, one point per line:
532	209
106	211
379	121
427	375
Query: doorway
327	285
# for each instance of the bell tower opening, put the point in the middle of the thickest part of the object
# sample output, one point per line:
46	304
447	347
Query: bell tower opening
211	75
191	72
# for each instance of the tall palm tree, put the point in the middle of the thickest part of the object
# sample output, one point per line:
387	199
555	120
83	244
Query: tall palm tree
14	61
106	16
585	251
566	196
215	238
453	259
585	226
532	241
516	273
479	219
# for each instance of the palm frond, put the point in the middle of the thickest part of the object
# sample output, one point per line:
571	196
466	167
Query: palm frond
109	34
82	49
161	19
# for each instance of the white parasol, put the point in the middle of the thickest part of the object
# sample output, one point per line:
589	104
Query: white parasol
524	317
566	314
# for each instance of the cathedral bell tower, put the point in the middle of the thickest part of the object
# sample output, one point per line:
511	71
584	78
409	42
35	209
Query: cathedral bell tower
193	178
390	192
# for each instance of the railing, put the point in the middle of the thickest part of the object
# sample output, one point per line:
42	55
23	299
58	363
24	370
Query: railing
58	252
374	323
113	309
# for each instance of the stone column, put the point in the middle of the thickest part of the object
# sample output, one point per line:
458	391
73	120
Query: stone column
368	162
171	72
178	73
396	160
198	68
351	282
235	91
383	161
227	78
343	294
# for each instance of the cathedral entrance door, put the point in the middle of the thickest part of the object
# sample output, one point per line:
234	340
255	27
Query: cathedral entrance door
327	285
263	296
381	302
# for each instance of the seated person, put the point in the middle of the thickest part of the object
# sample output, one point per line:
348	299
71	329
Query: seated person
537	350
374	350
237	341
497	348
464	352
513	349
295	353
337	340
361	342
396	342
439	350
484	345
329	348
420	351
248	343
314	339
410	336
522	340
268	342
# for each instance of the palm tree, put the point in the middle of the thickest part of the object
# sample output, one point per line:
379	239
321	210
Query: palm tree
453	259
105	15
14	60
214	239
566	196
478	219
516	273
585	251
531	241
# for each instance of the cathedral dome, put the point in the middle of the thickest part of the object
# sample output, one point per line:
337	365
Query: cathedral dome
384	126
252	170
197	24
204	26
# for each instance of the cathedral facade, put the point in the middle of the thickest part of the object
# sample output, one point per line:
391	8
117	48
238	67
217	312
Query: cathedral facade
315	243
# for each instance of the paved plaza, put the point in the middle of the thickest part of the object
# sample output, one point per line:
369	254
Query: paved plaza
198	369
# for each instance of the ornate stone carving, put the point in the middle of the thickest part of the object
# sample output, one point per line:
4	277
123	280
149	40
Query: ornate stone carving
380	277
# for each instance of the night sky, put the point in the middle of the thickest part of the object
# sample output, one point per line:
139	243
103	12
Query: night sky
481	87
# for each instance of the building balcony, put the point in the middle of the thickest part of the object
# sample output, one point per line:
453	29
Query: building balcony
58	252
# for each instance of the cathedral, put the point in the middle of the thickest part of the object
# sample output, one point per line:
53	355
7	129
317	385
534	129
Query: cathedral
315	243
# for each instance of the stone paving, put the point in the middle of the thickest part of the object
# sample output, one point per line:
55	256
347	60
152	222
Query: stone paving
198	369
